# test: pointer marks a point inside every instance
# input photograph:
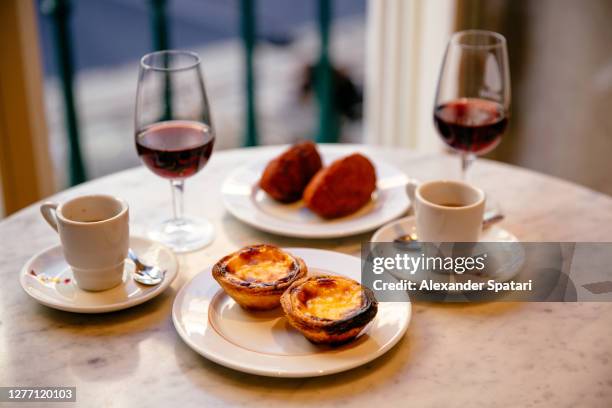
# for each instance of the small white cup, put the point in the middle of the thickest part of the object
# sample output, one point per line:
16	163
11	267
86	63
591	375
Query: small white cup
94	231
448	211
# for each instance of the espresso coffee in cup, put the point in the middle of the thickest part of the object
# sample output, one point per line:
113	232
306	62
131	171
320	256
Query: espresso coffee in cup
448	211
94	231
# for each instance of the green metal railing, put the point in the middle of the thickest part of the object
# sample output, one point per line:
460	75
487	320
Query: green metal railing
329	128
249	33
161	41
60	11
160	25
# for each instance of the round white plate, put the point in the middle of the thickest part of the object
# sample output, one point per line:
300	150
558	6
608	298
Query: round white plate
508	259
246	201
264	343
47	278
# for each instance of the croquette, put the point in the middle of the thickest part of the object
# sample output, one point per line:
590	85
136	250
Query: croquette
286	176
342	188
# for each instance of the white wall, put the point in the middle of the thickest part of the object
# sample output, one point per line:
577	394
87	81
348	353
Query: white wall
2	213
405	43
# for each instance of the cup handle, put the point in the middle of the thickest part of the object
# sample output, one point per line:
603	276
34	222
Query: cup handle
48	212
411	187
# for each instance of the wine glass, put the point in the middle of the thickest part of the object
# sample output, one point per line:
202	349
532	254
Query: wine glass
472	104
174	137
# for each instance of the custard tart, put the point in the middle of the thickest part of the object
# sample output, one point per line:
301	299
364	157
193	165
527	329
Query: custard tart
329	309
256	276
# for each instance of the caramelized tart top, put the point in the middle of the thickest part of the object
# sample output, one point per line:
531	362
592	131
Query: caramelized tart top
329	297
260	264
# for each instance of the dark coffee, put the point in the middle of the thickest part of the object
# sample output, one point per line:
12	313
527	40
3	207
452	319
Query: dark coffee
451	205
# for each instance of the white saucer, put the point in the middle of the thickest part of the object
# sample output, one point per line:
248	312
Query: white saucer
264	343
246	201
509	259
47	278
407	225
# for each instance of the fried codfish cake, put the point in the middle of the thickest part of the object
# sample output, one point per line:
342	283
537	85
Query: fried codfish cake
285	177
342	188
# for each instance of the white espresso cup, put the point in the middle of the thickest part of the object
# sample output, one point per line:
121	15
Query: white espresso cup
94	231
448	211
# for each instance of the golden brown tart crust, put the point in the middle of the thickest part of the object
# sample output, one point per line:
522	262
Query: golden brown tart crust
256	276
329	309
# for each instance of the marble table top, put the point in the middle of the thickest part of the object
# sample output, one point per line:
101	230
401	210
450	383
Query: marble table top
468	355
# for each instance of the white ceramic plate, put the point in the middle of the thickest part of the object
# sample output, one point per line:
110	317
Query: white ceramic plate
508	259
264	343
47	278
246	201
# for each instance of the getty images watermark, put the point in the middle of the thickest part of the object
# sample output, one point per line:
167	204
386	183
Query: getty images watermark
413	264
489	271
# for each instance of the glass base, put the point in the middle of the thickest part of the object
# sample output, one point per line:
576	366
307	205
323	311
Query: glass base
184	235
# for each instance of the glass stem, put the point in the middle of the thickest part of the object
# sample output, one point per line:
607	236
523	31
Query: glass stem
466	161
177	186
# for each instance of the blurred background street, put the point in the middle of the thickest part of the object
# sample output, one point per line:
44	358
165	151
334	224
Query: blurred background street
106	54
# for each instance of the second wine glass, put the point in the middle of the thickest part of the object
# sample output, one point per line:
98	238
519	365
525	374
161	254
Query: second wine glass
472	104
174	137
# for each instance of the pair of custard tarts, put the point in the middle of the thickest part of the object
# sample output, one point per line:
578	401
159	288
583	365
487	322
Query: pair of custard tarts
326	309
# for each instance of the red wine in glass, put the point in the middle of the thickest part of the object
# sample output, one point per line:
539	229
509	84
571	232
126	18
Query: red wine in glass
175	149
174	137
471	125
